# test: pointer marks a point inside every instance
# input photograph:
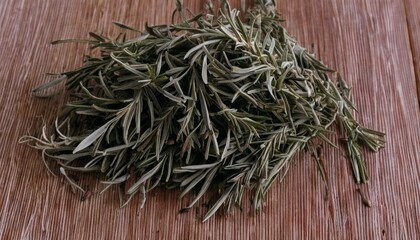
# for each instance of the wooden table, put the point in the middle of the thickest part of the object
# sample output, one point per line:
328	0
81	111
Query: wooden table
373	43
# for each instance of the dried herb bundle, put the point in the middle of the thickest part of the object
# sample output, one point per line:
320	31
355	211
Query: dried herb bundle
212	100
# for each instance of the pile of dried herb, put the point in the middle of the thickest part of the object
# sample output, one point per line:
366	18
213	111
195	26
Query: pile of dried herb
212	101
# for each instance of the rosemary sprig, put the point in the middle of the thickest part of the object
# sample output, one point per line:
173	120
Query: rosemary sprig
211	100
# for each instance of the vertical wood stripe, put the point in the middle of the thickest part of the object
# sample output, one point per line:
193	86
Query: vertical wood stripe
412	8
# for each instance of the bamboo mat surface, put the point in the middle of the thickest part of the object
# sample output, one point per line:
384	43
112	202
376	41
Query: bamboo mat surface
373	43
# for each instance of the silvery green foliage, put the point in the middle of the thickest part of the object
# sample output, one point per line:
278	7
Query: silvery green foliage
209	102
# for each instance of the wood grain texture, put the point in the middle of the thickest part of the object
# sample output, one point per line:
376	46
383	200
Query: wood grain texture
367	40
412	8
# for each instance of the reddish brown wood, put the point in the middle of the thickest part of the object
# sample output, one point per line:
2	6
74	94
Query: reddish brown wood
367	41
412	8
